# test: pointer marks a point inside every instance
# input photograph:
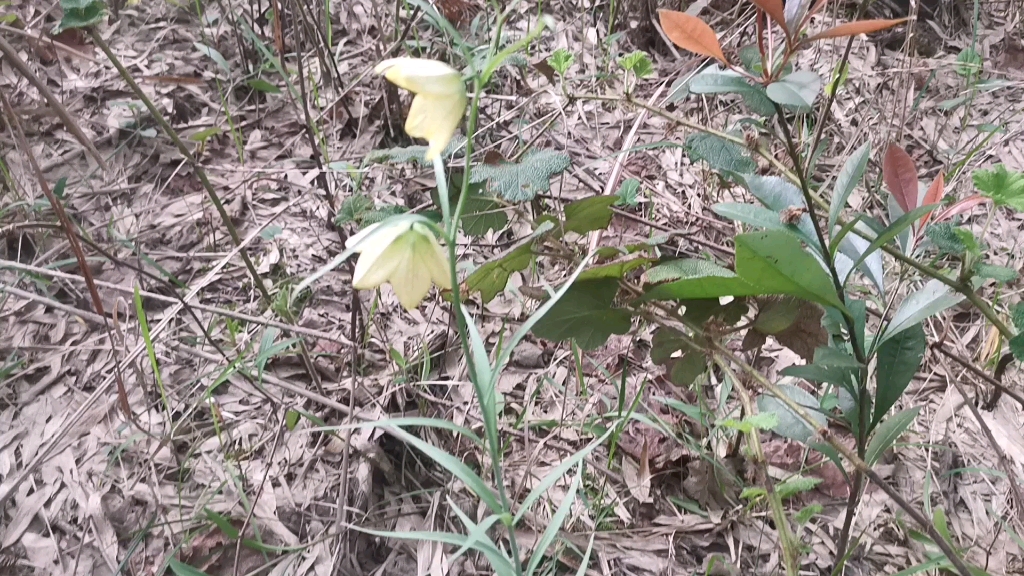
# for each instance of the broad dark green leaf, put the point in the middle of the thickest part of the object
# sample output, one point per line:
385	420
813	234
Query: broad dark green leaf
899	358
847	181
589	214
888	432
776	263
492	277
585	314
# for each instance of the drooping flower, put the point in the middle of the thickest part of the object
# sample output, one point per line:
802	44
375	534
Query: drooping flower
439	102
403	252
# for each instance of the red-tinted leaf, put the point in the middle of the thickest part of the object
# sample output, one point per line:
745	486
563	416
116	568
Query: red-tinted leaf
961	207
774	10
900	175
854	28
691	33
933	196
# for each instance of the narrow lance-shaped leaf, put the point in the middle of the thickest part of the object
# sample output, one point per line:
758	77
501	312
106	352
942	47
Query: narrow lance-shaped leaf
847	181
900	175
894	229
888	432
854	28
691	33
899	358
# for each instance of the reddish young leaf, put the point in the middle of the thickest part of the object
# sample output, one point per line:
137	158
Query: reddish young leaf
961	207
933	196
691	33
900	175
854	28
775	11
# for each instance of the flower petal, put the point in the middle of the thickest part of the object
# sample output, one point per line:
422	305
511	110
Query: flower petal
433	257
435	118
371	243
356	238
372	270
410	278
422	76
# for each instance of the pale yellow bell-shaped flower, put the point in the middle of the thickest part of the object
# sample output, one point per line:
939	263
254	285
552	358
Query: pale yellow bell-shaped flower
439	103
403	252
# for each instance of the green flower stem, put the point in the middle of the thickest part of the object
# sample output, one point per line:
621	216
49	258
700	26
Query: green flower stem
451	233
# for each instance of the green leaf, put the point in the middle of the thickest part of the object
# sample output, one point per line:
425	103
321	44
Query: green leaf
722	155
492	277
899	358
415	154
945	238
585	315
480	213
80	14
555	525
1005	188
854	247
758	216
776	263
353	208
806	513
589	214
994	272
638	63
522	181
261	85
779	195
1017	316
932	298
714	80
888	432
797	91
614	270
214	55
968	63
893	230
561	60
454	465
847	180
291	419
695	280
791	425
628	193
796	485
1017	347
181	569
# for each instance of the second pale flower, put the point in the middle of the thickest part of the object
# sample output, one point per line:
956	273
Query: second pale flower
403	252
